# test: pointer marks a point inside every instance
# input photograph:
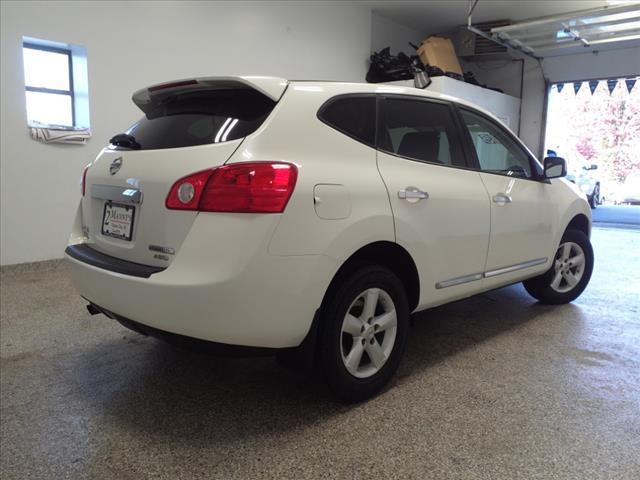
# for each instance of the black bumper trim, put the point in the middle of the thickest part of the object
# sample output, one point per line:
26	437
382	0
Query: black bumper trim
84	253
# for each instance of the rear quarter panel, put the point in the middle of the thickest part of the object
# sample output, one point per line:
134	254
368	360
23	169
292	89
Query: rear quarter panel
323	155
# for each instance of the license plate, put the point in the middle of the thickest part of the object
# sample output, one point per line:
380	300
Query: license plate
117	221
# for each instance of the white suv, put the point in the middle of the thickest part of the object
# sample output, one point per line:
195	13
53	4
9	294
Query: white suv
310	219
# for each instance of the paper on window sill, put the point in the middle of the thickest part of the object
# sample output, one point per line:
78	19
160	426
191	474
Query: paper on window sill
68	135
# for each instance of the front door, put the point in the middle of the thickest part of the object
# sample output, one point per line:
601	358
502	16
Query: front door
521	206
440	206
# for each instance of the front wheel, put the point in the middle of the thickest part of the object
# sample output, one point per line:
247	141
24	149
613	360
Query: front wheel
569	274
364	329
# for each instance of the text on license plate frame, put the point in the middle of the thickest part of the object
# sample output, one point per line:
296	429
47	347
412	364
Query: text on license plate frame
126	235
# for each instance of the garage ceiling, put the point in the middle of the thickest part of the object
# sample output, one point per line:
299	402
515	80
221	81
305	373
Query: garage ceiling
437	16
586	28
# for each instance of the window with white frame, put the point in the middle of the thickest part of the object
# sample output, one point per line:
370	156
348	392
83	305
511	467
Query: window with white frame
55	84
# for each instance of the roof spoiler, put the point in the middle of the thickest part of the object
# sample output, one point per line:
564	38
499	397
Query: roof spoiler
148	98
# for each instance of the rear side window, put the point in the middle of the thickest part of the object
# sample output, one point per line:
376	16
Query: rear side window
198	118
352	115
420	130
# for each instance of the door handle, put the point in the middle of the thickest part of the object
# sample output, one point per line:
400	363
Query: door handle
412	193
502	198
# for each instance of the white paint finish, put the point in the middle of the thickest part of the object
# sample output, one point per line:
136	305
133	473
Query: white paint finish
332	202
521	230
386	32
148	97
153	172
446	234
134	44
294	134
238	294
258	279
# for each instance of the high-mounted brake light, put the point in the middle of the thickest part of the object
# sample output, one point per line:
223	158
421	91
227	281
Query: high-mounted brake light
182	83
83	182
252	187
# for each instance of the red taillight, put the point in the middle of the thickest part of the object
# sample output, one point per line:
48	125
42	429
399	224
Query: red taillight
83	183
256	187
185	193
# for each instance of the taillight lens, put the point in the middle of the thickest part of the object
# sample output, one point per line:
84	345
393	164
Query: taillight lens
83	182
256	187
176	200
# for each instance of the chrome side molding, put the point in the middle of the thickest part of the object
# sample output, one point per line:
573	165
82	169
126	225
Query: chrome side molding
116	194
459	280
491	273
513	268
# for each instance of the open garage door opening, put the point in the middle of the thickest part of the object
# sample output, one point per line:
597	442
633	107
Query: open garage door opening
595	126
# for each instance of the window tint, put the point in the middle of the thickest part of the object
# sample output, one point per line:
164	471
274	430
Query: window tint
198	118
497	152
421	130
355	116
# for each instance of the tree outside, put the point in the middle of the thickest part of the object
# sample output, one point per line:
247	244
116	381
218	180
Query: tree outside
599	128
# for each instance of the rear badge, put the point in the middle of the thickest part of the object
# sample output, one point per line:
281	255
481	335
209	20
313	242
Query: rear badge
115	166
158	248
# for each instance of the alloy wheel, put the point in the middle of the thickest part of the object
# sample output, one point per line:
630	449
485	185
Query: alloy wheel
568	267
368	333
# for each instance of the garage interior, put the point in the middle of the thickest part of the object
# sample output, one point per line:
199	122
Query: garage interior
495	386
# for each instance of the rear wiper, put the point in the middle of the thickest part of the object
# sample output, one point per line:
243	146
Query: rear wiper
125	140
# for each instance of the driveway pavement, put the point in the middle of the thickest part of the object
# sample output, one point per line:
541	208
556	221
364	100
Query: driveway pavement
627	216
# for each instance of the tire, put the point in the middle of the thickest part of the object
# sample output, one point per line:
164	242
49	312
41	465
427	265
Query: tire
567	268
369	289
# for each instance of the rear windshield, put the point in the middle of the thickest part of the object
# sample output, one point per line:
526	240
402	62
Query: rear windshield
198	118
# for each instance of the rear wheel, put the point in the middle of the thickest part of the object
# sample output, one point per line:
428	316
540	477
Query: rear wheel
364	329
569	274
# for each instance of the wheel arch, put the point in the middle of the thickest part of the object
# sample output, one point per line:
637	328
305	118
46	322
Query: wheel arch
387	254
580	222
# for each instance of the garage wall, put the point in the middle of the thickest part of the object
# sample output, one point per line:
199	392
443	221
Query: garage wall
610	63
132	45
388	33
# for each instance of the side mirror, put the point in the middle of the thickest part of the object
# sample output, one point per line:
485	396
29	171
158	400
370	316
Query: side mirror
555	167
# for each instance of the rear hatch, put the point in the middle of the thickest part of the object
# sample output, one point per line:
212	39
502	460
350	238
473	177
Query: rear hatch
189	126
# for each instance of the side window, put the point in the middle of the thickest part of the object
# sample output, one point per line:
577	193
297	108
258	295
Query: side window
420	130
354	116
497	152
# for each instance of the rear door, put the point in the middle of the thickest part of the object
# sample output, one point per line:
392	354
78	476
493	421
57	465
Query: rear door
186	129
440	206
522	210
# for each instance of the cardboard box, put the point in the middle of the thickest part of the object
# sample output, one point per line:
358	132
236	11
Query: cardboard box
439	52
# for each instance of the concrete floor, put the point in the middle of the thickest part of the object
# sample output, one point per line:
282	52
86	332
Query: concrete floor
492	387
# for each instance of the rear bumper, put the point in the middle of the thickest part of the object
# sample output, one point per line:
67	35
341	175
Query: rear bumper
182	341
84	253
237	296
